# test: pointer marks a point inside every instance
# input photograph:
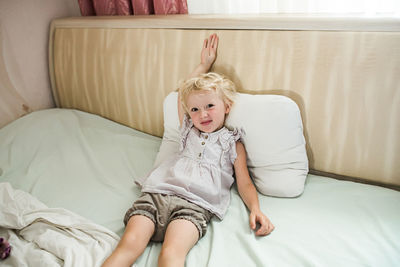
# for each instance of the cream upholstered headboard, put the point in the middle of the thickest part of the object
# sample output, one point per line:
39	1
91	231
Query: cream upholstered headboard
344	74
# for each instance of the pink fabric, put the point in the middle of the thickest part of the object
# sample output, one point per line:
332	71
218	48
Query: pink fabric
87	8
112	7
143	7
130	7
163	7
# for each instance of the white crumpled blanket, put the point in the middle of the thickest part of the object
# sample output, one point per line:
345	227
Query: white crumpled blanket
42	236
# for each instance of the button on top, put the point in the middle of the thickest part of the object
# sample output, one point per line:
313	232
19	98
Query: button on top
206	137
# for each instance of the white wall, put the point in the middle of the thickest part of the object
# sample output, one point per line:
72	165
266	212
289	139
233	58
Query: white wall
24	30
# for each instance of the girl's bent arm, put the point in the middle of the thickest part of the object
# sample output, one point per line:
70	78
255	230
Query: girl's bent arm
248	193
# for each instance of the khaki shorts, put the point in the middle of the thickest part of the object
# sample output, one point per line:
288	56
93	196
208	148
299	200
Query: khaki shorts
162	209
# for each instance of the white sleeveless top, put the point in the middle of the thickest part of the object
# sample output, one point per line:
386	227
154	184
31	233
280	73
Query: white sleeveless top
202	172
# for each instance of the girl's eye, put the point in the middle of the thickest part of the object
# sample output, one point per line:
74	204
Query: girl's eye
210	105
194	109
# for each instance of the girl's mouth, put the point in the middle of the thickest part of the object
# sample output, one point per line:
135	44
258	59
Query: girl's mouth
205	123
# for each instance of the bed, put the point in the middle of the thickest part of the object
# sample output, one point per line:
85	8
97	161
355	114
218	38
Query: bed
67	174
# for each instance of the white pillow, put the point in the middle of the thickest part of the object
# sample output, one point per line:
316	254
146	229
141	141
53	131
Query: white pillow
274	141
171	138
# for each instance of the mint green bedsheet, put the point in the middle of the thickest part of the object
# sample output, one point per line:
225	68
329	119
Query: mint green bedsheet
87	164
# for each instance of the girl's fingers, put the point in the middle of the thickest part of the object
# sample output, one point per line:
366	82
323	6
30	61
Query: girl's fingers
205	43
208	42
252	221
264	230
209	50
270	228
263	227
266	227
214	40
215	43
261	232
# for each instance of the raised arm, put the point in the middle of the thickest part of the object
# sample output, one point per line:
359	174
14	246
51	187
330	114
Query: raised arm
207	56
207	59
248	193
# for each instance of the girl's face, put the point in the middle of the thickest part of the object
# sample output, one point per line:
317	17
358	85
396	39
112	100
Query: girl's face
207	110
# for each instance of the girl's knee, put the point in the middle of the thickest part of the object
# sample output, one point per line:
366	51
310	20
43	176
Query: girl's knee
137	233
171	256
128	243
132	241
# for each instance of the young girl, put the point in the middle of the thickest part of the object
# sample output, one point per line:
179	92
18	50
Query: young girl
181	195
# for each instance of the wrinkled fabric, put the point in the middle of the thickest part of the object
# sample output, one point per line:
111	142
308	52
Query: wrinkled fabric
132	7
143	7
86	7
42	236
163	7
163	209
202	172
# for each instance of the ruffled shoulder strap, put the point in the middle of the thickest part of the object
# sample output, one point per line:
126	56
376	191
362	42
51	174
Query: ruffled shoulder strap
186	126
238	133
228	141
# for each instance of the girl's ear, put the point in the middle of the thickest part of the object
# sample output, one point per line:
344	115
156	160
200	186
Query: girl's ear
228	106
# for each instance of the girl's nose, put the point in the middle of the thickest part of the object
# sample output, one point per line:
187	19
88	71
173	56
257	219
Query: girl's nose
203	113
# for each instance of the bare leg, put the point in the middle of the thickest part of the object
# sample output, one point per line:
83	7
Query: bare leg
137	235
180	237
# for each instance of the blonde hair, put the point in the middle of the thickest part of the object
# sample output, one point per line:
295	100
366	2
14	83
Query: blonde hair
224	87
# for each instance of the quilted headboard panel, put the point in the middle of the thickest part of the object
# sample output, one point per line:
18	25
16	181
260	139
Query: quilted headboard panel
346	82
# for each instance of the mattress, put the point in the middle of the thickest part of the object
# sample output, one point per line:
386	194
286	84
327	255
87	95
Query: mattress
87	165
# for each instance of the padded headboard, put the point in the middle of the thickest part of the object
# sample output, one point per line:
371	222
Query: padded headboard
345	79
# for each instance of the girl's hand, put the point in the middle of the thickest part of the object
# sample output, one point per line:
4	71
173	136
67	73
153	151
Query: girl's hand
266	227
209	51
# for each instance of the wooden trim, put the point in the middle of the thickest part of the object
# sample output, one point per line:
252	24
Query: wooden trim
304	22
